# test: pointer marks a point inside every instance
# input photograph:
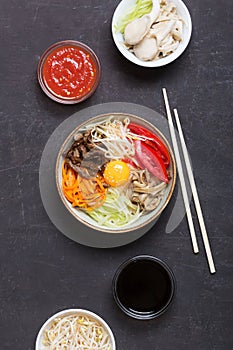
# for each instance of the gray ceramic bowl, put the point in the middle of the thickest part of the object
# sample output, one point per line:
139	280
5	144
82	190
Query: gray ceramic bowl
144	222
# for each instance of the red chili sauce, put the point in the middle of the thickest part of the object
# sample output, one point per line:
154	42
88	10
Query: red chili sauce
69	72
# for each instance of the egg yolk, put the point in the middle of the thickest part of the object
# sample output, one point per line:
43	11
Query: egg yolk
116	173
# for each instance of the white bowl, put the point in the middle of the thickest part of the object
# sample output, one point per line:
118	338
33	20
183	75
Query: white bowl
119	40
143	222
77	312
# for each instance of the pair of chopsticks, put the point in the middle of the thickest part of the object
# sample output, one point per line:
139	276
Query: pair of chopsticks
192	185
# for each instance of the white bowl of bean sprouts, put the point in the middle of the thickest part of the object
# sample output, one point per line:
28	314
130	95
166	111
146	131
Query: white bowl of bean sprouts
116	173
75	329
166	38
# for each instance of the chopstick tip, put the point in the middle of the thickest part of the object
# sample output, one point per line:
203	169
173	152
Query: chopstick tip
212	269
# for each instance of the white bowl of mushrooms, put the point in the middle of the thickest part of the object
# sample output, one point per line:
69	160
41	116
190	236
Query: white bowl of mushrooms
151	33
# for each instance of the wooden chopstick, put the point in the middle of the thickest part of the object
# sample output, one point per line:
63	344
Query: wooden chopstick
195	195
181	174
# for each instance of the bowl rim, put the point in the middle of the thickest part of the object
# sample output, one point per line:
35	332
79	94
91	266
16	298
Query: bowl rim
49	92
122	229
162	61
135	259
78	311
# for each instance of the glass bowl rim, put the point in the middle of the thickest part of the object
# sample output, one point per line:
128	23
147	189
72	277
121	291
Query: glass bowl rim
158	261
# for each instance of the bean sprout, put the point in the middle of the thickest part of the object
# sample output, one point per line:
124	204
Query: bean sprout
112	135
76	333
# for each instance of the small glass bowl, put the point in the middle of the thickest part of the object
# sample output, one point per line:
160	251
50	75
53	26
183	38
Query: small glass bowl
53	95
146	281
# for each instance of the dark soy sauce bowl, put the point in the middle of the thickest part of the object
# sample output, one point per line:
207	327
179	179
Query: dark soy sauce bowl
144	287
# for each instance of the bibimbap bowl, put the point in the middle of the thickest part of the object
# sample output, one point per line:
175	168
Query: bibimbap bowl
116	173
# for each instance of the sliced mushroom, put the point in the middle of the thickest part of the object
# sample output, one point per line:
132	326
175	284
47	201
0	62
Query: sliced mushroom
78	169
162	29
146	49
138	28
151	203
177	30
149	189
78	136
146	190
168	11
166	41
170	48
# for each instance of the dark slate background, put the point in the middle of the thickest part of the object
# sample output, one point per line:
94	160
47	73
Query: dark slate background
41	270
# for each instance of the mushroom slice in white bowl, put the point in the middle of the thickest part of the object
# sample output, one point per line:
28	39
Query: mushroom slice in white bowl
136	30
162	29
147	49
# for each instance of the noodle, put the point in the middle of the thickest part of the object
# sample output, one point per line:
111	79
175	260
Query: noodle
113	136
76	333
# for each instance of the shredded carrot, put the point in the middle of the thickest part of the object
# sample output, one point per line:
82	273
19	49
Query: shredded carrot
83	193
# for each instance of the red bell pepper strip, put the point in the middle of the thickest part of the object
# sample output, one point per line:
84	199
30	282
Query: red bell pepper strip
130	161
153	141
150	160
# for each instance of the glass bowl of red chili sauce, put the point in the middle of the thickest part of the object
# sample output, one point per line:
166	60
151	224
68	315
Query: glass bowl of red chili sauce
69	72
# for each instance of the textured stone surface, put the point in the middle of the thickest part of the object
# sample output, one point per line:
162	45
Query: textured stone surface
42	271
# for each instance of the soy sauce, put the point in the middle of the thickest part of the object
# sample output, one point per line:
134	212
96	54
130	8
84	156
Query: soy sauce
144	287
